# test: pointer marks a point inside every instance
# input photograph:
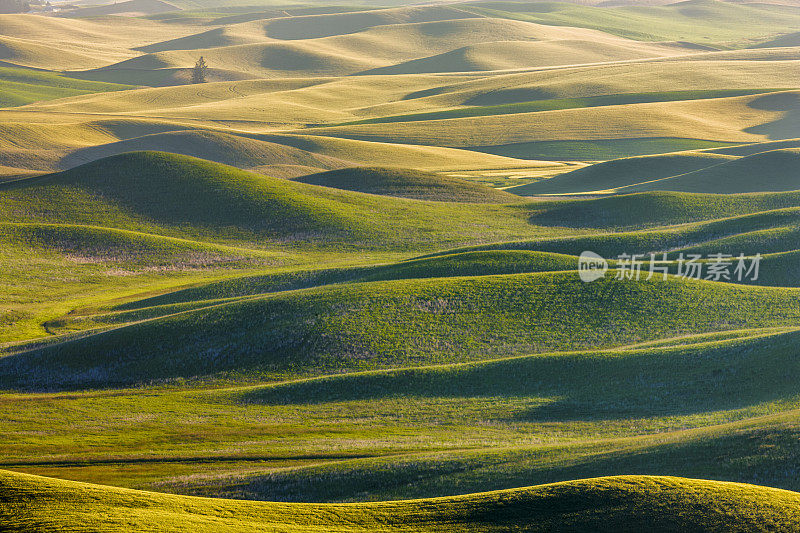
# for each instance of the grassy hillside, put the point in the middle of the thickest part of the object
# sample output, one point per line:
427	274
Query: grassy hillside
730	451
462	319
789	40
101	263
186	197
775	170
552	104
314	26
187	192
699	172
756	148
772	230
777	242
241	152
699	72
57	43
139	7
740	119
23	86
431	158
622	172
656	208
103	245
477	263
520	54
603	504
697	21
408	184
310	278
592	385
396	445
660	385
459	44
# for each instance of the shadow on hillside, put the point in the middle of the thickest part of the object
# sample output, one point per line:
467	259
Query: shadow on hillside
737	457
510	96
785	127
586	385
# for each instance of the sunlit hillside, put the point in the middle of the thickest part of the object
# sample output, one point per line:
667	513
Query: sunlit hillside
391	266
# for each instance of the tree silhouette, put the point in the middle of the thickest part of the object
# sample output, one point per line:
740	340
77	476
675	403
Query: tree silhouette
199	71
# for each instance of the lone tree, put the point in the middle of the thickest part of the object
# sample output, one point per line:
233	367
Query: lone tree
199	71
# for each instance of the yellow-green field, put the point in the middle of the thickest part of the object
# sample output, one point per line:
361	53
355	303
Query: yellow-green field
608	504
334	286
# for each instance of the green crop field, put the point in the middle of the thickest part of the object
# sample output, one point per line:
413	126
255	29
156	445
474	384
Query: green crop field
339	279
20	86
696	504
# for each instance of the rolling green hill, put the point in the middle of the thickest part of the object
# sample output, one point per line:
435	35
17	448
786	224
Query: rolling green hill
552	104
22	86
95	244
732	451
768	231
655	208
181	196
775	170
687	380
479	263
633	382
238	151
789	40
622	172
311	282
667	126
188	192
366	325
606	504
756	148
408	184
699	172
